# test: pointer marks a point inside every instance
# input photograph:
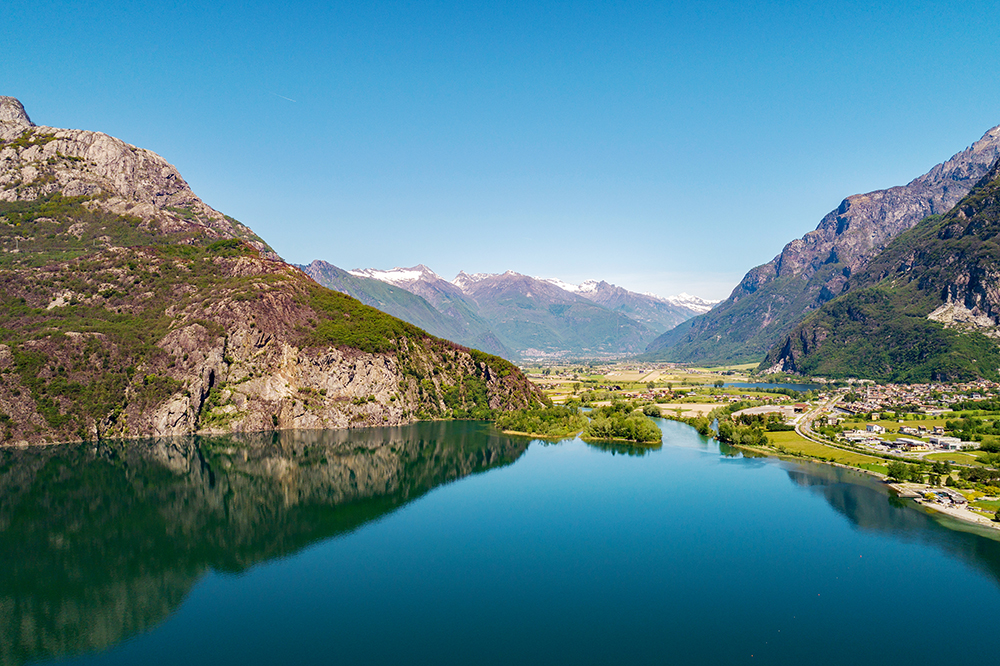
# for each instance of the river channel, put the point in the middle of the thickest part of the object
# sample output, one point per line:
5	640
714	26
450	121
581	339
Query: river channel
449	543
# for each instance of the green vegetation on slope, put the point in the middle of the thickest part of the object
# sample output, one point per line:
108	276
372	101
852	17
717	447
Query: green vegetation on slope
880	329
461	326
78	356
350	323
875	333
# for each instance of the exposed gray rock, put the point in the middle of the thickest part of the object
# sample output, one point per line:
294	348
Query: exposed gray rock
37	160
773	298
12	111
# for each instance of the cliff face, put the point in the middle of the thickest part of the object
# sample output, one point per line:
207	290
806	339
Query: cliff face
128	307
115	176
816	268
927	307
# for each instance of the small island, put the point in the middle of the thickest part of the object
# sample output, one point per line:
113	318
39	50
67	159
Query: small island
557	422
620	421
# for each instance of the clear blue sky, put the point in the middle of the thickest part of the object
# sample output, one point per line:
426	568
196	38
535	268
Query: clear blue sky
662	146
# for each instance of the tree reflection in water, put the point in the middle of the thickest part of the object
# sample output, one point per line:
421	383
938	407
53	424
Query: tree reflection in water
99	542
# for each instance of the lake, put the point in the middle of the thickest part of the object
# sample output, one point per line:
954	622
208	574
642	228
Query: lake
448	543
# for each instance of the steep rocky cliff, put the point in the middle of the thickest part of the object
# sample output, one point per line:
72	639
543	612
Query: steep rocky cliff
816	268
112	175
927	307
129	307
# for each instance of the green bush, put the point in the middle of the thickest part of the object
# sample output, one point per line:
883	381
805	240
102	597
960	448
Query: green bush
618	421
545	422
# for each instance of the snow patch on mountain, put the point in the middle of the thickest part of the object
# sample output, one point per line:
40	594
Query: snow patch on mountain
685	300
464	280
397	275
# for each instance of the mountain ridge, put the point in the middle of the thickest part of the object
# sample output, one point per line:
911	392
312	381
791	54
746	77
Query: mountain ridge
456	323
926	308
531	322
814	269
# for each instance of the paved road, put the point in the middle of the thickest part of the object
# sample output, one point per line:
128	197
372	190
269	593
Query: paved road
803	424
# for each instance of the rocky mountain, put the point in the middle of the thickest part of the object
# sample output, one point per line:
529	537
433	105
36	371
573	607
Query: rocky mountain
446	297
119	535
812	270
658	314
457	321
130	307
479	321
538	318
926	308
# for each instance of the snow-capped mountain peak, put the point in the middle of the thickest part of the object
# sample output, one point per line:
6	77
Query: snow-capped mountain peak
566	286
685	300
463	280
397	275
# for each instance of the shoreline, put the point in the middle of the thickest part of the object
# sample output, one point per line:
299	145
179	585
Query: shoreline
520	433
964	515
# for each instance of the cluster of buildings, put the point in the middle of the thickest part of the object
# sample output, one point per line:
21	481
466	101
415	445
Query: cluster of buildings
946	497
933	439
932	398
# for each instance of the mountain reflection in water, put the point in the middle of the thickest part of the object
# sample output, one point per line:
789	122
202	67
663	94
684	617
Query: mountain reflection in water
99	542
867	503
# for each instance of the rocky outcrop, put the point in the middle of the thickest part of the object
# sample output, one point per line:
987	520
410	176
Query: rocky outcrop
925	308
130	308
816	268
38	161
12	112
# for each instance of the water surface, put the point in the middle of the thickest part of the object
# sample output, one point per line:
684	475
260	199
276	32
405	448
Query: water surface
447	543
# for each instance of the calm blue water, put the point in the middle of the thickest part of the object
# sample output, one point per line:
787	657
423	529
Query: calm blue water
764	385
450	544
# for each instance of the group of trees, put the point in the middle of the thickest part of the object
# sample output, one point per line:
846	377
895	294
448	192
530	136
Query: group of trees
920	473
732	432
771	421
557	421
989	405
620	421
974	429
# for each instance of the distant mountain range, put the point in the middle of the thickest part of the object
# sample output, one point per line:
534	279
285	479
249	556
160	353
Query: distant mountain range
514	315
772	299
